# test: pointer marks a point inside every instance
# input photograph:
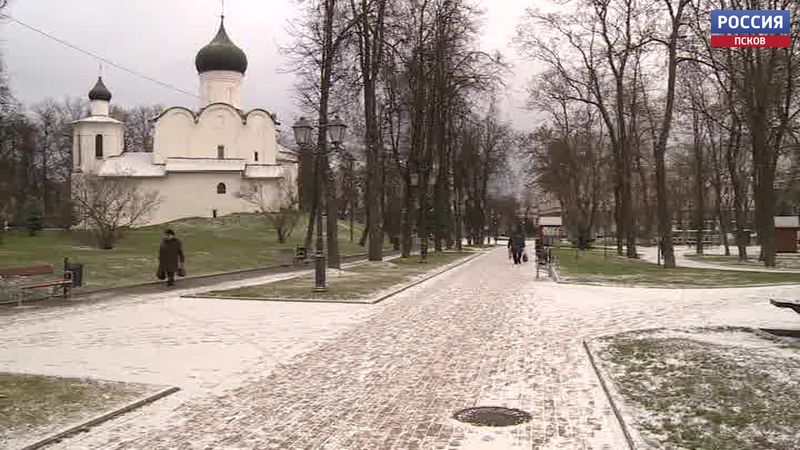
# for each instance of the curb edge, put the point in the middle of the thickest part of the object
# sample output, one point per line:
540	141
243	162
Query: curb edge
101	418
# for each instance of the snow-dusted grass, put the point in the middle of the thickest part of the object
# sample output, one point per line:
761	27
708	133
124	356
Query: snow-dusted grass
706	388
356	283
234	242
782	260
593	267
33	406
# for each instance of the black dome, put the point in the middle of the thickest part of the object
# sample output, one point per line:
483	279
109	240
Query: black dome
100	91
221	54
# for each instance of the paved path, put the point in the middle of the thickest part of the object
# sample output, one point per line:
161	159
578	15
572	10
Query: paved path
281	375
650	254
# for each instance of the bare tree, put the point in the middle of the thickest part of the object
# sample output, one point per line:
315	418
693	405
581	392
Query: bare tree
110	206
675	8
370	25
758	89
279	205
592	57
138	126
320	35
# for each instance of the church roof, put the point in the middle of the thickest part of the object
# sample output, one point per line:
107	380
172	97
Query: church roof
264	171
100	91
98	119
205	165
131	164
196	114
140	164
221	54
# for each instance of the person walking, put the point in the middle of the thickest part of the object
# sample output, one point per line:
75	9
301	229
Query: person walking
170	258
518	245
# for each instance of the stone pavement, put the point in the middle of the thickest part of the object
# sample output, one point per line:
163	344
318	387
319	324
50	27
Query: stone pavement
280	375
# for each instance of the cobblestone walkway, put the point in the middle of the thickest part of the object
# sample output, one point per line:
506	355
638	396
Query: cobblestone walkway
284	376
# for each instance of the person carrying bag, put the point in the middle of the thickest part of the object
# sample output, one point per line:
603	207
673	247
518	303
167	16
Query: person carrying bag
170	258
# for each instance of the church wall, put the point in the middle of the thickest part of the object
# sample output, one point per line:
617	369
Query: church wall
260	136
219	125
221	86
171	135
178	135
99	108
186	195
83	144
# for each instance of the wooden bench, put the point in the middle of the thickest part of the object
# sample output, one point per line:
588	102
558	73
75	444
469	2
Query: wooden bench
300	254
292	256
793	305
18	279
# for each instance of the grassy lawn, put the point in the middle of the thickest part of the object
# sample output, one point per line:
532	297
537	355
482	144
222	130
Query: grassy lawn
239	241
706	389
782	260
33	406
591	267
355	283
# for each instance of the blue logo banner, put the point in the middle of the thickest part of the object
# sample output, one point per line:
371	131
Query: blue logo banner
750	22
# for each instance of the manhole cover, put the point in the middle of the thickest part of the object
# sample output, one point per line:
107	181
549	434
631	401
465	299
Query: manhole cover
492	416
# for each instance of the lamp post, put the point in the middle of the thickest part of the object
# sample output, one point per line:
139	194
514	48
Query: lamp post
302	134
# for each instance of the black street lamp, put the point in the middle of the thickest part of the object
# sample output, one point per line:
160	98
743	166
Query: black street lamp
303	129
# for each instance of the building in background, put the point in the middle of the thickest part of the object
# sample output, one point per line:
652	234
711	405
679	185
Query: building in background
201	160
787	234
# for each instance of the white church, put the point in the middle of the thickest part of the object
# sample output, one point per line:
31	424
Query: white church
201	160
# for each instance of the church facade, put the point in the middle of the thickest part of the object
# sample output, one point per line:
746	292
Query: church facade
202	160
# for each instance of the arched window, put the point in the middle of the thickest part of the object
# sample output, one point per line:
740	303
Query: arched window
221	189
98	146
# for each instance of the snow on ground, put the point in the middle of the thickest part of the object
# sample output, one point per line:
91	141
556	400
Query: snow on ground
691	371
285	375
650	254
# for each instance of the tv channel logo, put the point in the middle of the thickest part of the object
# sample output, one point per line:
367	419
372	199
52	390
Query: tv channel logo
750	28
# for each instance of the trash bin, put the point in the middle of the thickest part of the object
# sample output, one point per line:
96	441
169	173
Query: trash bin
77	273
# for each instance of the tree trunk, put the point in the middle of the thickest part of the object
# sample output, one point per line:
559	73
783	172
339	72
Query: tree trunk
406	241
723	227
333	224
664	216
370	35
312	211
765	195
327	183
698	183
618	221
352	221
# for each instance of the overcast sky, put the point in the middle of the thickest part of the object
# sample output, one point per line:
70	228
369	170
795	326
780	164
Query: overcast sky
160	38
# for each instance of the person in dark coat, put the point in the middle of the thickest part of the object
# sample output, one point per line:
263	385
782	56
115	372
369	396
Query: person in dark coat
517	243
170	257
